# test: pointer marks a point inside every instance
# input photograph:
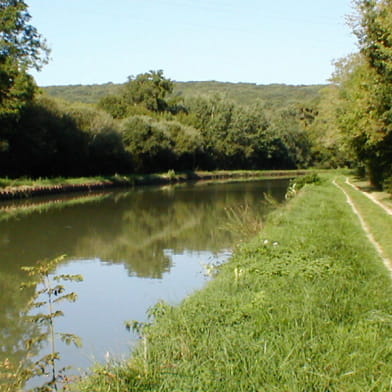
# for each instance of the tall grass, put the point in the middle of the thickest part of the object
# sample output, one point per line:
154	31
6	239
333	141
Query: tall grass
305	306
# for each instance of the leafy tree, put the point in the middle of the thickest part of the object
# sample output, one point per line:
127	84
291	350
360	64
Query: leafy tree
141	95
105	149
148	89
355	114
366	83
151	149
329	148
187	144
45	141
114	105
290	127
21	48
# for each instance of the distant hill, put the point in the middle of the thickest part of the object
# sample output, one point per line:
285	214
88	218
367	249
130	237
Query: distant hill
276	95
248	93
91	93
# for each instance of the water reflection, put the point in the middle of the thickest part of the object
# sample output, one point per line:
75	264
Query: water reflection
133	249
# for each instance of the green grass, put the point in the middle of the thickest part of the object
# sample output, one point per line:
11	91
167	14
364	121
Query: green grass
306	306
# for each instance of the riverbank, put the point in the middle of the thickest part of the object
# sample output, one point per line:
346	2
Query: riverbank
25	188
305	306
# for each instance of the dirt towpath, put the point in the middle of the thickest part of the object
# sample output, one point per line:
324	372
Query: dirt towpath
370	196
387	262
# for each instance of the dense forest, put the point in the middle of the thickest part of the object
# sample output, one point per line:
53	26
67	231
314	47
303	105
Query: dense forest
151	123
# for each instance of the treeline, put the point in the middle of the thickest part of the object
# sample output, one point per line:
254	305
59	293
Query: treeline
145	128
144	125
357	107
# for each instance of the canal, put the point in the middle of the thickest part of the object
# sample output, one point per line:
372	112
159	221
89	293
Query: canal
133	249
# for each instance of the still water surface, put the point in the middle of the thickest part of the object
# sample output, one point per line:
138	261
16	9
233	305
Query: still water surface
133	249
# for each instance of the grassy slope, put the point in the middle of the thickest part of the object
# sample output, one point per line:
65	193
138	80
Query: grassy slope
310	313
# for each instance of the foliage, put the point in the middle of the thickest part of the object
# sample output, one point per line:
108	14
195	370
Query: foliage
21	47
328	144
149	146
145	92
148	89
275	96
53	138
365	83
292	124
312	178
56	138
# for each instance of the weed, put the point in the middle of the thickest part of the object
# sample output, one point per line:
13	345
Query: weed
243	221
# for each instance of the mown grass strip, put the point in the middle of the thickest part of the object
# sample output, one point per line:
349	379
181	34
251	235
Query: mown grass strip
306	306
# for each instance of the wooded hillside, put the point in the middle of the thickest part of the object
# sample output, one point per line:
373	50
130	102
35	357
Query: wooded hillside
276	95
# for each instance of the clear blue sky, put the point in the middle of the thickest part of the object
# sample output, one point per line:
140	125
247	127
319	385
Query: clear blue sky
257	41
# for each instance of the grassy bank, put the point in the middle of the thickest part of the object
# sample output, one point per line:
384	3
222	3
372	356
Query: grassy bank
306	306
24	187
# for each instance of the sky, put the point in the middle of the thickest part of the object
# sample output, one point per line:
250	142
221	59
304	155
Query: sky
253	41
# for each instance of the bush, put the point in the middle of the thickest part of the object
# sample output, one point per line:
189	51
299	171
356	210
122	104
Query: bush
300	182
151	149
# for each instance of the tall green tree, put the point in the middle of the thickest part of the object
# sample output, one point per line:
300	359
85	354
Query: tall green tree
141	94
21	48
148	89
365	82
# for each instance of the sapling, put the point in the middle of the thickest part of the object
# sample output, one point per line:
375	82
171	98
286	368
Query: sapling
48	293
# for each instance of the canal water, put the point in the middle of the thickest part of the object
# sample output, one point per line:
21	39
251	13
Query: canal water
133	249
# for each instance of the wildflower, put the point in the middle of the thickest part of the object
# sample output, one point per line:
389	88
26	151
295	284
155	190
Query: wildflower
265	242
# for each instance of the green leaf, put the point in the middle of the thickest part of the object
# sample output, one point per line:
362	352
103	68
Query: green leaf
71	297
73	278
69	339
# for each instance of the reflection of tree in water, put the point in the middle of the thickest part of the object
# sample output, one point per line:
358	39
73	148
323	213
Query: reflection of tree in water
146	231
136	229
133	228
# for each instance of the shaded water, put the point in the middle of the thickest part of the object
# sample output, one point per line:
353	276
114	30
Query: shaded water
133	249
